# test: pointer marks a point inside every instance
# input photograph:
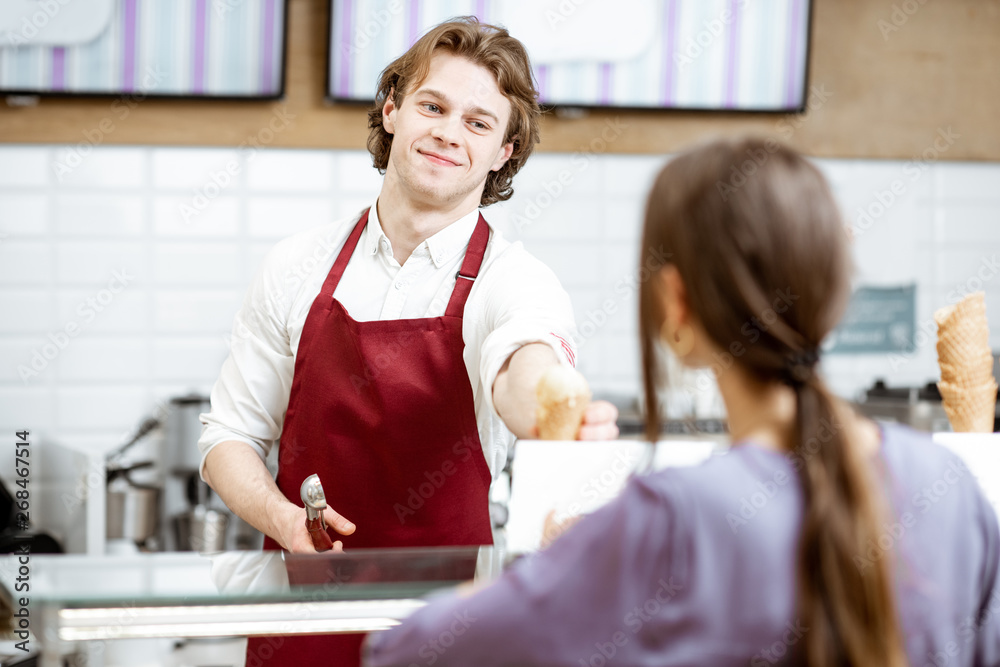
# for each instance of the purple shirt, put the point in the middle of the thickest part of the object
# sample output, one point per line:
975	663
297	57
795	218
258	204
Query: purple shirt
696	566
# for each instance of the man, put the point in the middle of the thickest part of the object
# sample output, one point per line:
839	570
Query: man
401	347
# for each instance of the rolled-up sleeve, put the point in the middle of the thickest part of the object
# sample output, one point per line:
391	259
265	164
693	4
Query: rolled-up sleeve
251	395
527	306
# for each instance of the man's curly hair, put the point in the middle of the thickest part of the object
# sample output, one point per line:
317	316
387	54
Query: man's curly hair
486	45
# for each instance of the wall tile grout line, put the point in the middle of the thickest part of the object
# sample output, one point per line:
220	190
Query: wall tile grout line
53	296
151	243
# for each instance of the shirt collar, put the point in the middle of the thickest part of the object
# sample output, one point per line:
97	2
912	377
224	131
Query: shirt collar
441	247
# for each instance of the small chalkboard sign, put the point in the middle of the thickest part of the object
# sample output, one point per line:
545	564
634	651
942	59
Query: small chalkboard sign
878	319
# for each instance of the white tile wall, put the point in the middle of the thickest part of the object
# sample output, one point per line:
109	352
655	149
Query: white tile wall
83	215
25	166
290	171
24	214
188	226
220	220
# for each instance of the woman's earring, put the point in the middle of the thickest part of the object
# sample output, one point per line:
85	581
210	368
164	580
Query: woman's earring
680	340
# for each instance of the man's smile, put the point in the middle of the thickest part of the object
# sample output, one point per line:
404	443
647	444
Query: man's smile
438	159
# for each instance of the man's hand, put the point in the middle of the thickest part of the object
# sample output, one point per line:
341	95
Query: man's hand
599	422
290	523
514	397
239	476
514	387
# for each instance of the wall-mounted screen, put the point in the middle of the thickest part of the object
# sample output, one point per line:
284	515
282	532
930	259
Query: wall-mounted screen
159	48
726	55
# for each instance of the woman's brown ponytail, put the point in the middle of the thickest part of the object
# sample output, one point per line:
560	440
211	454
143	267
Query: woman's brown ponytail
846	602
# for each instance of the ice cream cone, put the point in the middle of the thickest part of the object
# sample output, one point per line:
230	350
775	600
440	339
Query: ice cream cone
974	370
963	337
563	397
970	308
969	409
968	389
980	421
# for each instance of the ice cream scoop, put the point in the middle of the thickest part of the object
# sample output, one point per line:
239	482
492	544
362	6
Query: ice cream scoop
314	500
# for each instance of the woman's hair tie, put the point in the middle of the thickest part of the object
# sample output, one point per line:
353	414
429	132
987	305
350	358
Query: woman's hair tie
799	366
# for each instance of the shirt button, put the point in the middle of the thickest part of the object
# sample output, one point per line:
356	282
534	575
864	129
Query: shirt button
399	285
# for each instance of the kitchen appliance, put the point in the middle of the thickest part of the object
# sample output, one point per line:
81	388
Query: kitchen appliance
194	518
200	528
918	407
181	456
132	508
708	419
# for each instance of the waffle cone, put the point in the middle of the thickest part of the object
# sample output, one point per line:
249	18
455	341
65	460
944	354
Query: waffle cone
968	389
971	307
962	422
970	409
972	371
959	395
563	397
972	334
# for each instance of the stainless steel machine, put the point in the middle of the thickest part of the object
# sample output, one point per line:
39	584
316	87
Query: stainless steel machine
194	518
919	407
159	502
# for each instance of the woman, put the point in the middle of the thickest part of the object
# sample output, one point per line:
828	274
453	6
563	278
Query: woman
816	540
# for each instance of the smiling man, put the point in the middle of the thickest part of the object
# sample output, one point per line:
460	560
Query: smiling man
396	353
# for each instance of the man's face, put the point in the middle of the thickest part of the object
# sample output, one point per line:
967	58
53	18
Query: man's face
448	133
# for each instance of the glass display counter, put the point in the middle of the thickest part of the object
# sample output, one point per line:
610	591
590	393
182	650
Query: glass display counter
74	599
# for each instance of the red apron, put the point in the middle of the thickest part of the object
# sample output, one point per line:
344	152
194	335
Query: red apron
383	412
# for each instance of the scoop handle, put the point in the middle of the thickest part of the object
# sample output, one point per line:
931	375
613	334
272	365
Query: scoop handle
317	531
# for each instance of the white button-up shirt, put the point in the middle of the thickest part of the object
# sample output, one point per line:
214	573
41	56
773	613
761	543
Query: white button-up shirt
514	301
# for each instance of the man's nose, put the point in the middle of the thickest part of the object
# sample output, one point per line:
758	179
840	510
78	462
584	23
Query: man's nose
447	128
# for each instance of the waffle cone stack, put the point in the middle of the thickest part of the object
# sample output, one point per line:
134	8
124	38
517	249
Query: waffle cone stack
968	389
563	397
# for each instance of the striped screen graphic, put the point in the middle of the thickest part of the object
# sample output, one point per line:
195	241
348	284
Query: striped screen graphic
685	54
214	48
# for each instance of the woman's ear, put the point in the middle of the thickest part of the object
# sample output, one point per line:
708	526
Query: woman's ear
674	294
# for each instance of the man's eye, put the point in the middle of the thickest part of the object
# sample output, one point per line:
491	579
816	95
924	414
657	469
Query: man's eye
480	126
432	107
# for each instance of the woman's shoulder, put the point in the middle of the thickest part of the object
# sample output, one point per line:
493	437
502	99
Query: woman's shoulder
725	482
714	473
910	457
915	459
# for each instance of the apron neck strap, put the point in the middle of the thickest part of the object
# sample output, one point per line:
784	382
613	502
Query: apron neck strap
470	269
463	279
337	272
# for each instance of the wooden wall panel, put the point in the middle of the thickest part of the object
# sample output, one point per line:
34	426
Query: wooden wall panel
888	75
